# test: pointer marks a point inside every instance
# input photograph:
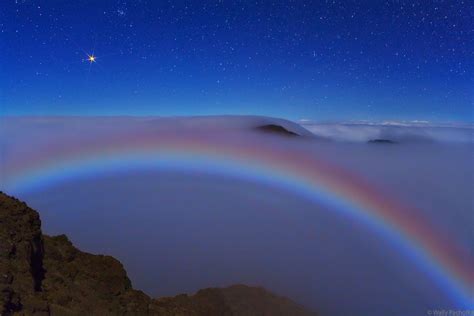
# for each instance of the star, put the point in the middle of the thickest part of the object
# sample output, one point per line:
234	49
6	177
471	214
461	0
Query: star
91	58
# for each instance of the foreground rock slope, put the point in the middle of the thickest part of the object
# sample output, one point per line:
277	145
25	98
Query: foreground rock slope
42	275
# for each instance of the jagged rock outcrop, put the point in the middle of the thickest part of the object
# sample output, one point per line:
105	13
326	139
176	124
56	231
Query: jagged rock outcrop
21	256
81	283
42	275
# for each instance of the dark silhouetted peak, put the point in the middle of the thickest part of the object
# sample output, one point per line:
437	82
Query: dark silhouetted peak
382	141
277	129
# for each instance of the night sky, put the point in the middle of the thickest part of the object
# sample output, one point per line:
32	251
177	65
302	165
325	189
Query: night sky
318	60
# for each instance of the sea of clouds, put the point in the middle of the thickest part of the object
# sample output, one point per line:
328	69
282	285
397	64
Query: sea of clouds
397	131
179	231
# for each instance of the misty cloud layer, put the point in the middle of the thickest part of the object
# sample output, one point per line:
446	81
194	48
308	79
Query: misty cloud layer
178	231
413	131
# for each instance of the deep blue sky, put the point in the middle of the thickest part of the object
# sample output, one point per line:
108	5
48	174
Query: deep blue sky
333	60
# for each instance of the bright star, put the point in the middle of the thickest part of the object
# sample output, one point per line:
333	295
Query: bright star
91	58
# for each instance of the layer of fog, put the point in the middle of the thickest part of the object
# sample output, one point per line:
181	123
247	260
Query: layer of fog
414	131
177	232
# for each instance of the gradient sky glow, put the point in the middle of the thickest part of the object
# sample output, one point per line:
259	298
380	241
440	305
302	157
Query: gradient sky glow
319	60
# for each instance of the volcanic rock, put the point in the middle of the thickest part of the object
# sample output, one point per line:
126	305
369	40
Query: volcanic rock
43	275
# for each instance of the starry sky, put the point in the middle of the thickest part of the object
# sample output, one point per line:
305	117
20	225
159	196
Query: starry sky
318	60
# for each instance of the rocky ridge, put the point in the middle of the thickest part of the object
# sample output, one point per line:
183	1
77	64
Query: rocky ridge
43	275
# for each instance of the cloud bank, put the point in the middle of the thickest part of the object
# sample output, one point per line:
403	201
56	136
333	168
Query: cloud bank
179	230
399	131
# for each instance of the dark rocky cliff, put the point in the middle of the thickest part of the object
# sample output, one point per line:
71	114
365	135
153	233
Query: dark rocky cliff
44	275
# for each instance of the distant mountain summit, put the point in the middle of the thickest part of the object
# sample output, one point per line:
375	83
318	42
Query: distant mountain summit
276	129
382	141
43	275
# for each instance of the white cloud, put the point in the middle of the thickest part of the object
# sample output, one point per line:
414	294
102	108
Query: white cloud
401	131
